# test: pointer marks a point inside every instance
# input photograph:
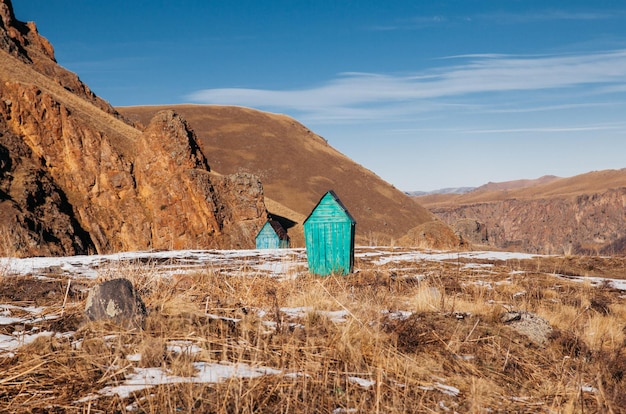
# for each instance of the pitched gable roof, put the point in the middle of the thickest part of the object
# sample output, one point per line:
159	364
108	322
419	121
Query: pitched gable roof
337	201
278	229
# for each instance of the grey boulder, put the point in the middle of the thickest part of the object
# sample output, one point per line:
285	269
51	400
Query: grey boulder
116	301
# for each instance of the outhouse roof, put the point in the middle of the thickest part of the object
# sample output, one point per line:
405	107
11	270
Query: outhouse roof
339	203
278	228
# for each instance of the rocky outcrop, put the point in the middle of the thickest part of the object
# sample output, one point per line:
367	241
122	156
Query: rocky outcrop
589	223
471	231
431	235
36	217
75	178
537	329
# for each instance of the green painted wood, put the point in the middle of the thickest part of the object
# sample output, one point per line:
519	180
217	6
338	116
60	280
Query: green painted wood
268	239
329	237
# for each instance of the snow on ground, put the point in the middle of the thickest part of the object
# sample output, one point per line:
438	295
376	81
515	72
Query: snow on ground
619	284
206	372
9	343
13	314
274	262
271	261
403	256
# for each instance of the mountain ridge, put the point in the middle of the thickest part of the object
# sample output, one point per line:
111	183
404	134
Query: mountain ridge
583	214
297	167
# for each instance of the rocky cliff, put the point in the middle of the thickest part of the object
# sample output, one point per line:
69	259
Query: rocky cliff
589	222
75	177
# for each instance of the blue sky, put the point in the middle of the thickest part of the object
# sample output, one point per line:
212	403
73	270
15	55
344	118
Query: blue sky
426	94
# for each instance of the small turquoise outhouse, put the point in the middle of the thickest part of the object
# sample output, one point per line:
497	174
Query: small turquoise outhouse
272	236
329	237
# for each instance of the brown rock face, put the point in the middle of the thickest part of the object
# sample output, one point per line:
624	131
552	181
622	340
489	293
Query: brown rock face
36	215
75	178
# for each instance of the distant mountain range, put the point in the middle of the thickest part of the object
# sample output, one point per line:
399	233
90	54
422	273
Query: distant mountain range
583	214
450	190
490	186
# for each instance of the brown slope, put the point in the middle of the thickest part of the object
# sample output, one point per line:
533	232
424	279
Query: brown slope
296	167
516	184
75	177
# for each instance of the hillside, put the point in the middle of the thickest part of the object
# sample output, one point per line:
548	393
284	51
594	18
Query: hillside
296	167
580	214
76	178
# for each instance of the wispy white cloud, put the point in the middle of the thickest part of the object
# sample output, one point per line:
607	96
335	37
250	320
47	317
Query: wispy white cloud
559	107
546	15
373	96
583	128
549	15
607	126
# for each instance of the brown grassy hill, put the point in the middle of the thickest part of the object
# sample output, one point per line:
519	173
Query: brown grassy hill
517	184
296	167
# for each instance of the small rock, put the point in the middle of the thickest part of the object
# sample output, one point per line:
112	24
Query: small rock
117	301
536	328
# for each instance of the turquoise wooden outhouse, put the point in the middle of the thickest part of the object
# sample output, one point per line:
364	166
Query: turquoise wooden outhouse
272	236
329	237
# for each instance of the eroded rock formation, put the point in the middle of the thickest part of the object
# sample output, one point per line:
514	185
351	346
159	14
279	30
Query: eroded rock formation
590	223
76	178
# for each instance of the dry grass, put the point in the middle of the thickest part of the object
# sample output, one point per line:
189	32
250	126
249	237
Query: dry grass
448	351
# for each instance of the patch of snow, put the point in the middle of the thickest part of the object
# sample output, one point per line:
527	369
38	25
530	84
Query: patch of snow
399	315
340	410
300	312
619	284
365	383
11	343
134	357
477	265
447	389
442	405
449	256
482	283
295	375
168	261
588	388
206	373
183	347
